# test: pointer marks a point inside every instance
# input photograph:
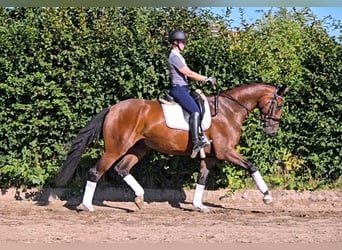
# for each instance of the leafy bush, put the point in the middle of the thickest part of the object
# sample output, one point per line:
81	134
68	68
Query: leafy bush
61	66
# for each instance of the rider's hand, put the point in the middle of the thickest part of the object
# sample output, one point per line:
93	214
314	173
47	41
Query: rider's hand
211	80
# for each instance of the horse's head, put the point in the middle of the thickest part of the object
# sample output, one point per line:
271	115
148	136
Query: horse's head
270	109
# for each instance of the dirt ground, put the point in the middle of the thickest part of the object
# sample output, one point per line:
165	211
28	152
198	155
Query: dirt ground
168	217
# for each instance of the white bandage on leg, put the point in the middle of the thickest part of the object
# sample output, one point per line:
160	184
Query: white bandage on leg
259	181
132	182
89	195
197	201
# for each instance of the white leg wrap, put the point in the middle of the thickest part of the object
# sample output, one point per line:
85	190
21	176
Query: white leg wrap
132	182
89	195
197	201
259	181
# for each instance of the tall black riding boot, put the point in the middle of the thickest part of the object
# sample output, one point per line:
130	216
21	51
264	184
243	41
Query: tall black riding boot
194	125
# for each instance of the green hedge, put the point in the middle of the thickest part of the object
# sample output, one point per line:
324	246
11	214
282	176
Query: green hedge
60	66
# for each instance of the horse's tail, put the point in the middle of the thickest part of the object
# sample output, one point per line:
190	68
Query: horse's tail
92	131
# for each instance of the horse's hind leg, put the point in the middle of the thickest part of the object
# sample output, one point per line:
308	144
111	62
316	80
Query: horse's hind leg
124	166
95	174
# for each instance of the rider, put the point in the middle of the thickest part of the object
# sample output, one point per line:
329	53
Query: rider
179	73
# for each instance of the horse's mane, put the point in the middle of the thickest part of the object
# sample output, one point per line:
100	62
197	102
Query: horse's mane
243	86
248	84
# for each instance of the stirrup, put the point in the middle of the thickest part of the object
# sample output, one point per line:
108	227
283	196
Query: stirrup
205	140
199	147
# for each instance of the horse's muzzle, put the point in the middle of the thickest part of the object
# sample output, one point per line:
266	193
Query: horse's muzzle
273	133
270	131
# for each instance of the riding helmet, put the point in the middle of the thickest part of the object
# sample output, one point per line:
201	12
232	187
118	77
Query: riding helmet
177	35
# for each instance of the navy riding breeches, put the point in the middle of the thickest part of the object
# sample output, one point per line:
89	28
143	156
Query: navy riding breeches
183	97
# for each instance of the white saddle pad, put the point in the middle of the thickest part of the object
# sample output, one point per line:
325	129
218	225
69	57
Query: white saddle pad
174	116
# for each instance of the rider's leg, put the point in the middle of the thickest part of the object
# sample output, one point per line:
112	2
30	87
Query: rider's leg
183	97
197	141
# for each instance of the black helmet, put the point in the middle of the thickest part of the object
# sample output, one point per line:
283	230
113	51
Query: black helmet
177	35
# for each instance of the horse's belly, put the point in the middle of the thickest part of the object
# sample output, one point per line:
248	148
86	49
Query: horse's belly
175	142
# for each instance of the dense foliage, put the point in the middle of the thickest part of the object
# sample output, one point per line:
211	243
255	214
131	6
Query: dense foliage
60	66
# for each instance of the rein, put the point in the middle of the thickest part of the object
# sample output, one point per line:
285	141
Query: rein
226	95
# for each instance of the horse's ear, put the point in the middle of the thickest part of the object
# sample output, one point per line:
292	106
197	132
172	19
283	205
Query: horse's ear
282	91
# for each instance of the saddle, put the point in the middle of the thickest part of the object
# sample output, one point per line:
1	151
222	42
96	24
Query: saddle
178	118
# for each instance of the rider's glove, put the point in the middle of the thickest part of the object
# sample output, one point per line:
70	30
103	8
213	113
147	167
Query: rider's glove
210	80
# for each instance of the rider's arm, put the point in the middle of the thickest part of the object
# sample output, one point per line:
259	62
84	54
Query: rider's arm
193	75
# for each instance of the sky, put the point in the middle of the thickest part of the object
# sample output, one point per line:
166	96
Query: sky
251	14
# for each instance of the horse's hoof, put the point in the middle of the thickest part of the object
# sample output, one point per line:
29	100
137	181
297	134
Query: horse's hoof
139	201
267	199
202	208
83	207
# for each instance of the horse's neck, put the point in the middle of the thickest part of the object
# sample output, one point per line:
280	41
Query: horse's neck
250	95
242	100
246	101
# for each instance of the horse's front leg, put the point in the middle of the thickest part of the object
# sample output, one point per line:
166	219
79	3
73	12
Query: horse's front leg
235	158
260	183
205	165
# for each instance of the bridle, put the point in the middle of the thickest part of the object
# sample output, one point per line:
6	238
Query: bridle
273	106
265	118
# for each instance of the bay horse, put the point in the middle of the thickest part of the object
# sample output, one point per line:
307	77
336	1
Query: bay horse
133	126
